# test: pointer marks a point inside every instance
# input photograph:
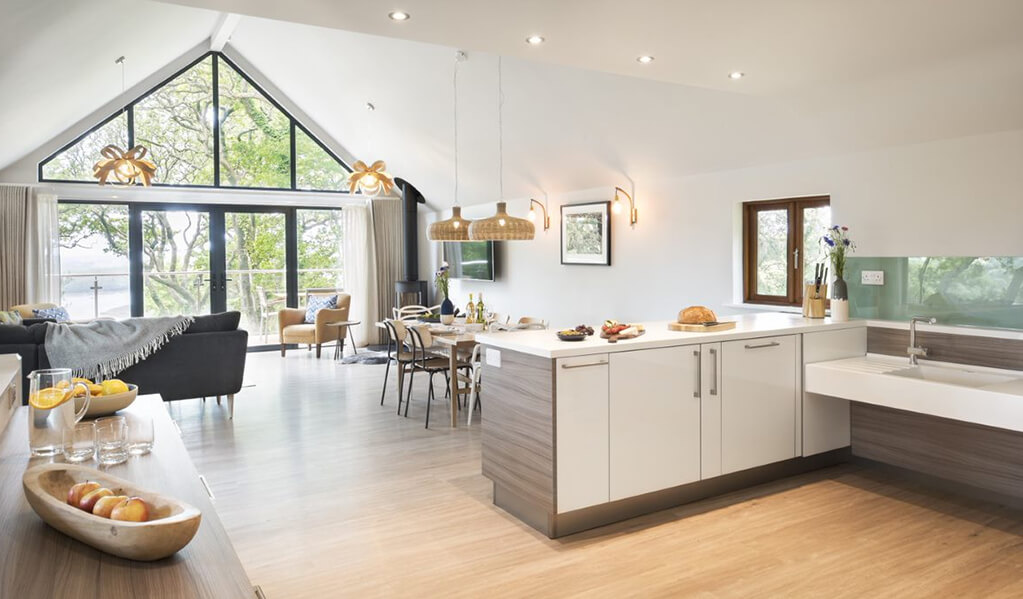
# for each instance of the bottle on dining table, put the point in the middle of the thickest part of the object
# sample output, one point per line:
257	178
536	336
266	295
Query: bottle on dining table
470	311
481	312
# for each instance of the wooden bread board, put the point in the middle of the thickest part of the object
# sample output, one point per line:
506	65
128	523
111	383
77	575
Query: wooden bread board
701	328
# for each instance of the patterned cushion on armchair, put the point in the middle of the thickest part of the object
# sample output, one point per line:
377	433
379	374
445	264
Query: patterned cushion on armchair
317	303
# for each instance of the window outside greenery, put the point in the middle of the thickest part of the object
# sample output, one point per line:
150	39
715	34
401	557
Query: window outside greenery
176	122
255	137
75	163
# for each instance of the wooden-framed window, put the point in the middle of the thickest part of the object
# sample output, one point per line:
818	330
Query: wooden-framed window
780	247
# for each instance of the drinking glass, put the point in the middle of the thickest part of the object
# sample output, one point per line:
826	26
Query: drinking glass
46	425
80	442
140	433
111	440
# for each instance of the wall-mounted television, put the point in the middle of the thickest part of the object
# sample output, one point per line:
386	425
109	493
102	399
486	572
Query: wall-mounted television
472	260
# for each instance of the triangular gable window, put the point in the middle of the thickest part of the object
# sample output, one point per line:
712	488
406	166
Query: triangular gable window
254	144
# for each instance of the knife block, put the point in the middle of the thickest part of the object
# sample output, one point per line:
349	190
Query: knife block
815	302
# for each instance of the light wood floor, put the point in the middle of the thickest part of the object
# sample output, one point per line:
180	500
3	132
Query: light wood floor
326	494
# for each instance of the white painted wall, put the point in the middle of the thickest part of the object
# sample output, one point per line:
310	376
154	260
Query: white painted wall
952	197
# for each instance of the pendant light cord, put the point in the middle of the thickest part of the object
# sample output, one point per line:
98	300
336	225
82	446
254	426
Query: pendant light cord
454	91
500	129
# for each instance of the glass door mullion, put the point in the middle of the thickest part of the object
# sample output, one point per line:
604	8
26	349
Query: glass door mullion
218	262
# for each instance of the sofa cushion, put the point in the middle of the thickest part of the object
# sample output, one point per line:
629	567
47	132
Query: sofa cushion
213	323
317	303
27	309
11	334
58	314
10	317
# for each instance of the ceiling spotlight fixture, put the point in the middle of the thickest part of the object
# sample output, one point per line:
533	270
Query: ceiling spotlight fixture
645	59
399	15
736	75
535	40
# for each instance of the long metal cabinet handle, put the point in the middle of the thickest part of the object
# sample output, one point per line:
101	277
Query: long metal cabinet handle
714	359
699	374
206	484
570	366
762	345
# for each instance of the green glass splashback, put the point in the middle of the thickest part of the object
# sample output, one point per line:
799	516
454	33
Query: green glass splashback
984	291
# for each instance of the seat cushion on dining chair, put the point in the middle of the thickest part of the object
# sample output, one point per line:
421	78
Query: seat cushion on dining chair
299	333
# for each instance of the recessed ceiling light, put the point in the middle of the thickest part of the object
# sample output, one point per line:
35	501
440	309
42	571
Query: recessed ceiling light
535	40
399	15
736	75
645	59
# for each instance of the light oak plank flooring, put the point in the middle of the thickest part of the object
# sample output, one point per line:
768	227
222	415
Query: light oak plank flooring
326	494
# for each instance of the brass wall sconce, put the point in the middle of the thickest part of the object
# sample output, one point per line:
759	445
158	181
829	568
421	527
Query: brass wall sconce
532	213
616	206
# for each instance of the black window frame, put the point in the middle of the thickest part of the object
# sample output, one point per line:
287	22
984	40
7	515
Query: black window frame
129	110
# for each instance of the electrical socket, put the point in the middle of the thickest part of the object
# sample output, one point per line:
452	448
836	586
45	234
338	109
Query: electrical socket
872	277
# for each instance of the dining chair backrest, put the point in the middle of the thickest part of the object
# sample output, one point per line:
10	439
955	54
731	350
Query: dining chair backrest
397	331
420	338
475	359
529	320
410	312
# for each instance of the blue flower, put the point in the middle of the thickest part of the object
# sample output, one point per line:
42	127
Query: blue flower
835	228
845	242
828	241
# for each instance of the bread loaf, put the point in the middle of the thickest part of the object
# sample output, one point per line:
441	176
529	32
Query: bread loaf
697	315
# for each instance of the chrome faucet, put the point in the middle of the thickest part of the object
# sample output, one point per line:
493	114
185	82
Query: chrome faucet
914	351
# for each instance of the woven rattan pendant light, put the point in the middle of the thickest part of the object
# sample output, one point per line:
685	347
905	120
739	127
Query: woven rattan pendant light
501	226
455	228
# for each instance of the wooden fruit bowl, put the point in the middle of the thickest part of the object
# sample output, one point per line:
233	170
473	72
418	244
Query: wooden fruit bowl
171	526
104	405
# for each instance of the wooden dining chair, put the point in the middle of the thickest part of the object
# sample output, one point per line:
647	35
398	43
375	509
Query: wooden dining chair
426	361
399	353
472	379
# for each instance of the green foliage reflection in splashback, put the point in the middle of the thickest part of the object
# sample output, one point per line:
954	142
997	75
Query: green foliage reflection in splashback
975	291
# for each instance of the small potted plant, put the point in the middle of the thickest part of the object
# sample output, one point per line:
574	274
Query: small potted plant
836	244
442	281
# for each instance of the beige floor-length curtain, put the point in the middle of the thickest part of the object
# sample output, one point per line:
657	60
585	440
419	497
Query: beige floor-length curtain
387	231
359	251
14	210
42	251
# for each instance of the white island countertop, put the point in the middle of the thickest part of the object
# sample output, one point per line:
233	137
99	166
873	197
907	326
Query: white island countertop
546	344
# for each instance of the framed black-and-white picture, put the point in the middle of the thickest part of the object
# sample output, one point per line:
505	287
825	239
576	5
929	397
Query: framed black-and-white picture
586	233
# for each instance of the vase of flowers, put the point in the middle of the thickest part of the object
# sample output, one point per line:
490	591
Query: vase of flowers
447	308
836	244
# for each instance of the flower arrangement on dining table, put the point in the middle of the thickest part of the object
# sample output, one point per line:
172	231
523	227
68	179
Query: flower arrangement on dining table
443	280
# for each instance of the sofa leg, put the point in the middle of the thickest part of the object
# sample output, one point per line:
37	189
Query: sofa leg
283	350
218	400
317	351
230	407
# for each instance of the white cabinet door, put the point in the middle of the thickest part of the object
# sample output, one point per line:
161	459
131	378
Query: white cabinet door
758	402
581	441
826	419
710	410
654	420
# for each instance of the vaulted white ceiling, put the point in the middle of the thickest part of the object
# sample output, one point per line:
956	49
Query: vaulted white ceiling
824	77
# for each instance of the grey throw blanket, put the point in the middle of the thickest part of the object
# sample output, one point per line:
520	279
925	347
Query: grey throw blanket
103	348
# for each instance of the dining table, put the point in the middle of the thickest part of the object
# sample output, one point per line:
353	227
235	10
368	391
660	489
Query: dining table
456	341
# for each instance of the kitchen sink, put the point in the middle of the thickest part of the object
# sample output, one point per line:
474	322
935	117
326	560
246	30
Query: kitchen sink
952	376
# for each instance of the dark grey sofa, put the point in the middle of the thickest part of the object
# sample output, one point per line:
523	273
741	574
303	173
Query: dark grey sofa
207	360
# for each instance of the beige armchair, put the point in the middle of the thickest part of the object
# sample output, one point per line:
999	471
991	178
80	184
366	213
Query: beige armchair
294	329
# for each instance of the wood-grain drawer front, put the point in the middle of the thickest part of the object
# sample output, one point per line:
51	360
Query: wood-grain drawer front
758	402
581	447
654	420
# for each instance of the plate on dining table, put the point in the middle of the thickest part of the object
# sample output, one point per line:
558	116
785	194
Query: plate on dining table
442	329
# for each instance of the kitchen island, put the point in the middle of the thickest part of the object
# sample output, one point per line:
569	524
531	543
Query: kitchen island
581	434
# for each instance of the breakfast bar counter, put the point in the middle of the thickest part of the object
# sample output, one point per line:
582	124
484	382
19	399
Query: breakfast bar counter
38	561
577	434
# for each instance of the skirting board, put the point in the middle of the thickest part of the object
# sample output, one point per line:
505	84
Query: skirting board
559	525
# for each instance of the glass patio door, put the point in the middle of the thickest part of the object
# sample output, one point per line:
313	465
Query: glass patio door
177	275
256	268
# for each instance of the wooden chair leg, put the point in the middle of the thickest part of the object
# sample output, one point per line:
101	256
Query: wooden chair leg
230	407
